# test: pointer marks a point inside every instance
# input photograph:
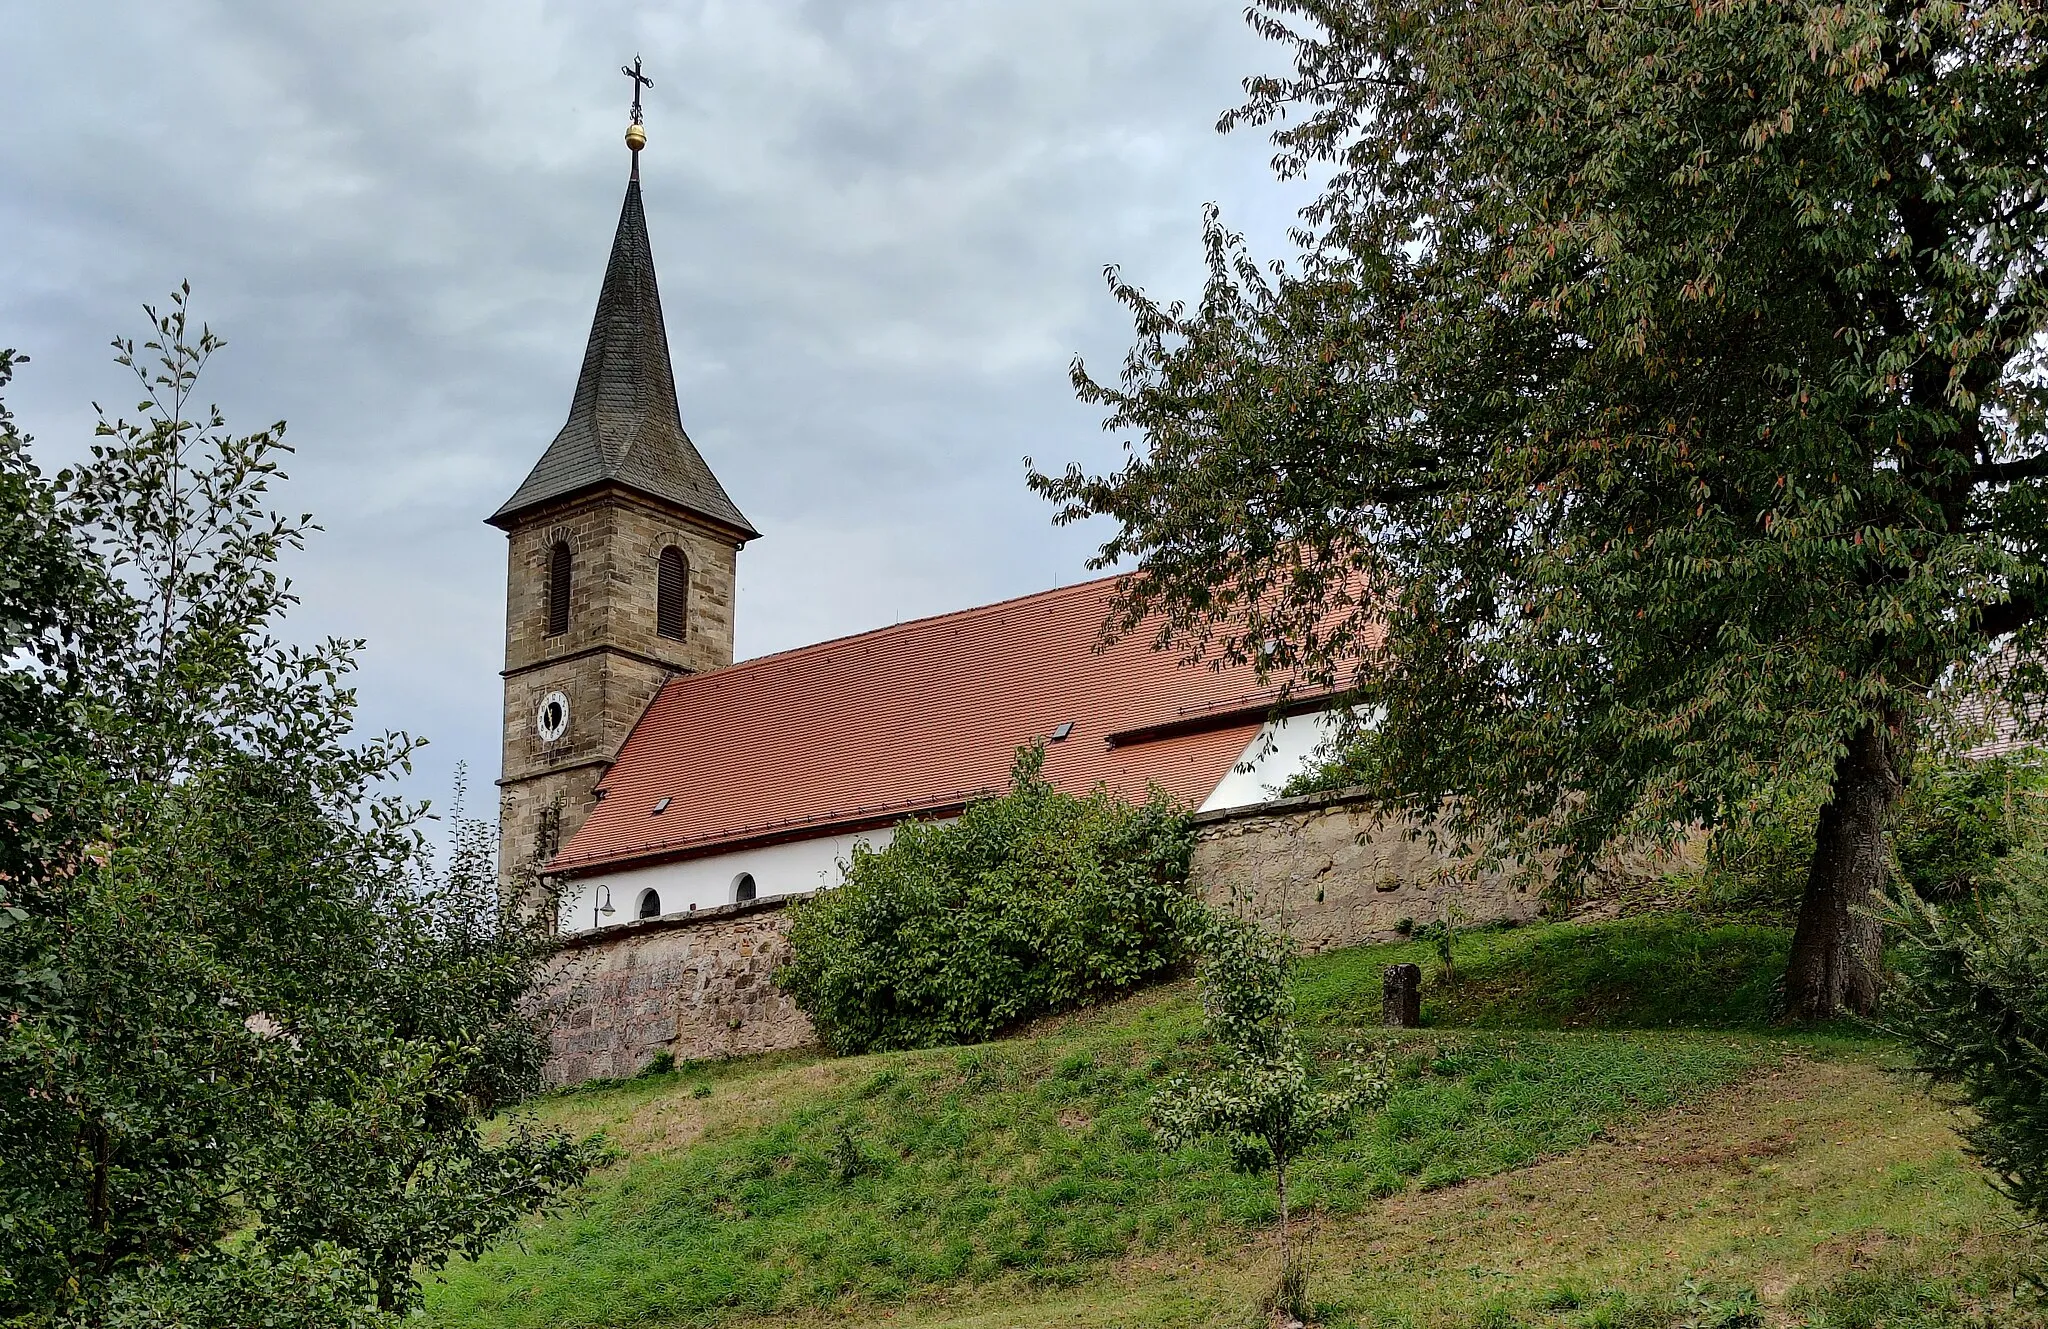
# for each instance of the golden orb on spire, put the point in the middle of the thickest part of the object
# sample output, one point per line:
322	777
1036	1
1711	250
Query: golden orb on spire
636	137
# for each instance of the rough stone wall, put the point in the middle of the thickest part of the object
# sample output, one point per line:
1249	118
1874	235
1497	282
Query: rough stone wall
702	985
1335	876
697	986
606	693
615	543
611	661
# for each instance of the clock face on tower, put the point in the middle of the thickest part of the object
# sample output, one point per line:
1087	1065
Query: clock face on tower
551	720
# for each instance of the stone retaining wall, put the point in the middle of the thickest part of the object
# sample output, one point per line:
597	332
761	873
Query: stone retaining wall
1327	869
692	985
702	984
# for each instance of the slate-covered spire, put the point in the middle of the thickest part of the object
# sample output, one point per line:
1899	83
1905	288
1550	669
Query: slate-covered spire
624	427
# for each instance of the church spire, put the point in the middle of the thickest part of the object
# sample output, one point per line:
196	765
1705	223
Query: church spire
624	426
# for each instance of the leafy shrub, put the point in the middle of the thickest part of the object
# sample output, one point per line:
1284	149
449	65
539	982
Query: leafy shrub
1961	818
1970	993
1345	763
1264	1099
1032	902
1757	860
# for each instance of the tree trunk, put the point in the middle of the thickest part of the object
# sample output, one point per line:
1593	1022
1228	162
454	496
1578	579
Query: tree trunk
1280	1184
1836	949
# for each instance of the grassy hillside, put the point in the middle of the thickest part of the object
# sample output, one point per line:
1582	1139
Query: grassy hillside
1596	1128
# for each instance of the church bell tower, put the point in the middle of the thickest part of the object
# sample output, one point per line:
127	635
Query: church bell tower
622	546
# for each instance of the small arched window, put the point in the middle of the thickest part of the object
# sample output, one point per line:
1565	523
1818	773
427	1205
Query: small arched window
558	589
650	904
743	888
672	594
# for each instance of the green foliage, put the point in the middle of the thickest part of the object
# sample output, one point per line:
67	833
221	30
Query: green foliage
322	1286
1960	818
51	594
1957	818
1441	937
1263	1099
1032	902
1971	996
1757	858
1664	378
237	997
1347	763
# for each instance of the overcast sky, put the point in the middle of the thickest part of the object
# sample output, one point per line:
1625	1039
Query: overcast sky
879	229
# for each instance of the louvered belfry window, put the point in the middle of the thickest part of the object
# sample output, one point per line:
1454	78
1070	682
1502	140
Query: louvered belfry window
558	589
672	594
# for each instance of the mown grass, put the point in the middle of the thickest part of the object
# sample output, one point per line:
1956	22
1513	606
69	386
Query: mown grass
1928	1290
1656	971
1821	1192
1031	1160
798	1185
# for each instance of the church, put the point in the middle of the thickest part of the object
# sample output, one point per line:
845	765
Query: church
650	776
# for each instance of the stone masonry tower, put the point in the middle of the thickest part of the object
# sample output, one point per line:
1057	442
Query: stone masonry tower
622	547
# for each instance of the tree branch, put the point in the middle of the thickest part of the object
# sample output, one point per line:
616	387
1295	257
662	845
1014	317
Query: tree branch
2010	472
2023	608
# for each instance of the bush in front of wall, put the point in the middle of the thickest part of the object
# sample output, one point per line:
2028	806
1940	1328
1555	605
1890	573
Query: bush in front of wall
1031	902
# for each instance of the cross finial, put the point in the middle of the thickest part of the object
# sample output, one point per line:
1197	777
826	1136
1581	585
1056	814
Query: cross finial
640	81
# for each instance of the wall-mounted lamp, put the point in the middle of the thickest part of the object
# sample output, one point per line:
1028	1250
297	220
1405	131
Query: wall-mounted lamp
604	905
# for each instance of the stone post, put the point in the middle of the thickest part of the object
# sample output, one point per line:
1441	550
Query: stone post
1401	996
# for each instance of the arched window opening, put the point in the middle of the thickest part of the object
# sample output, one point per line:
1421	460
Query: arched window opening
558	589
743	888
650	904
672	594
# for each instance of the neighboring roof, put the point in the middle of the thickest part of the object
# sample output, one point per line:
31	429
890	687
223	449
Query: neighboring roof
916	718
624	427
1980	715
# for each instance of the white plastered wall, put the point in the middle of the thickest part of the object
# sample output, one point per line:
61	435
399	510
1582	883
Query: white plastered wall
795	868
1283	749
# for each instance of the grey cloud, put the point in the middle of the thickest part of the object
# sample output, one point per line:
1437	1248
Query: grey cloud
879	228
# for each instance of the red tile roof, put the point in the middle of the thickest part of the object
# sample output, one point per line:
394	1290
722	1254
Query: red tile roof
916	718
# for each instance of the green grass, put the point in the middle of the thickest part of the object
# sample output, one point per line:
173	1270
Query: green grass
1652	972
1923	1291
1031	1159
1028	1163
1597	1129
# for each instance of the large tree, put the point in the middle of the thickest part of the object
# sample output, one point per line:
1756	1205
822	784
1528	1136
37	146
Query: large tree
1668	378
249	1032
